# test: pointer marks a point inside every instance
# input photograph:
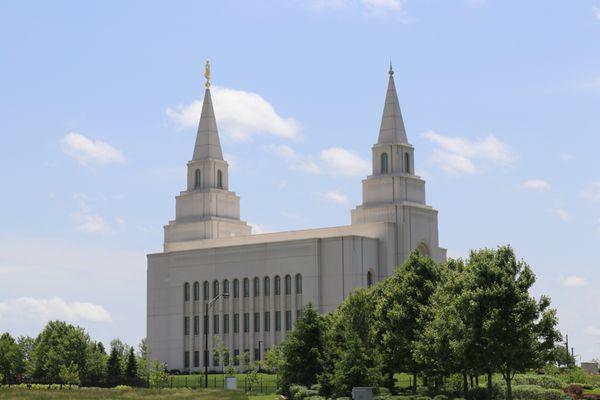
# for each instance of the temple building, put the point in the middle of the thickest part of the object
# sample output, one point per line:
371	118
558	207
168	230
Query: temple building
268	278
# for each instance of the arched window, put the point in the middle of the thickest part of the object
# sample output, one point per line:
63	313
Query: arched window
215	288
288	284
236	288
277	285
267	286
226	287
256	287
407	163
186	291
197	179
298	284
246	287
206	289
219	179
384	163
369	279
196	291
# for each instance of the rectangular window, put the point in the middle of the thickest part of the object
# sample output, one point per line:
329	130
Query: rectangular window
277	320
226	323
288	320
236	356
256	354
186	359
246	322
256	322
298	314
267	321
196	359
236	323
206	324
186	326
196	325
215	324
216	359
226	358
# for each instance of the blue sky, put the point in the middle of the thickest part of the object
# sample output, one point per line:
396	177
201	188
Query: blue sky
99	103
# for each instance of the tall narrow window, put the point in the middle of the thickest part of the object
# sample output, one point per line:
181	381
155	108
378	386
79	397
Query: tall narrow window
215	324
186	326
256	287
288	320
196	291
205	288
384	163
186	292
267	286
236	356
196	324
288	284
246	287
186	359
277	285
246	322
196	359
226	286
407	163
236	323
298	284
197	179
267	321
215	288
369	279
277	320
226	323
256	322
219	179
236	288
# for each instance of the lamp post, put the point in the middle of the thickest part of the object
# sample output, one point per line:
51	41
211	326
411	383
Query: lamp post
260	342
206	324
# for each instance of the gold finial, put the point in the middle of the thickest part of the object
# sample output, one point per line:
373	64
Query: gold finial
207	74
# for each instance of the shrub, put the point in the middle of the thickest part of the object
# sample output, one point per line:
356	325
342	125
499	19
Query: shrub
343	398
122	387
533	392
299	392
381	397
315	398
545	381
478	393
575	390
577	375
454	384
440	397
382	391
422	398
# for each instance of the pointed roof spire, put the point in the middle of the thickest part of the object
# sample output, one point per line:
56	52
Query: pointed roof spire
392	126
207	138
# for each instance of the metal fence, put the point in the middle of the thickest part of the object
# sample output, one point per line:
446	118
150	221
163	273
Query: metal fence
263	384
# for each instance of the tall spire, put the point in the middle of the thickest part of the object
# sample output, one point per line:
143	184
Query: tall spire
392	126
207	138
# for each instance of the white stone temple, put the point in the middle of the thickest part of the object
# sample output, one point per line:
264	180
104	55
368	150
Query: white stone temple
209	250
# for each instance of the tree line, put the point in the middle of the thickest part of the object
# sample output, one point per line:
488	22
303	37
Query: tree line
63	353
468	318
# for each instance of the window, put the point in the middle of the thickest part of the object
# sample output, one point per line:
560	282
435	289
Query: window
267	321
215	324
196	325
215	358
267	286
256	322
288	320
384	163
226	286
298	284
246	287
226	323
246	322
236	356
298	314
288	284
186	326
236	288
186	359
277	285
206	324
256	287
236	323
197	179
369	279
196	291
186	292
277	320
205	288
226	358
407	163
219	179
257	354
196	359
215	288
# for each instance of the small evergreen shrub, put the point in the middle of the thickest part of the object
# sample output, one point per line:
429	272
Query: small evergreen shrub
299	392
122	387
533	392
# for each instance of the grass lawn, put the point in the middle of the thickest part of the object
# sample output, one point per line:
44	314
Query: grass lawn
264	397
129	394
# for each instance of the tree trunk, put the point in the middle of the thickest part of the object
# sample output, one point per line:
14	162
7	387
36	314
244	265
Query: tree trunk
414	382
489	385
465	385
471	377
476	378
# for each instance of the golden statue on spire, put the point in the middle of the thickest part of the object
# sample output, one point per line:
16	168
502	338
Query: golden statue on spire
207	74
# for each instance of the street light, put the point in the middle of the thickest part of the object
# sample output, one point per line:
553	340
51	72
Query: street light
206	324
260	342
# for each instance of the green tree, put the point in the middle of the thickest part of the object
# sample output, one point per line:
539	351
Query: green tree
69	375
11	358
302	351
273	359
220	352
113	366
131	368
158	377
402	302
562	357
26	345
96	364
143	360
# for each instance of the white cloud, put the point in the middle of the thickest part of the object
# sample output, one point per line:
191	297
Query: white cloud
458	156
538	185
44	310
89	223
563	215
239	114
338	161
573	281
597	12
334	196
592	192
592	331
296	161
257	229
90	152
232	161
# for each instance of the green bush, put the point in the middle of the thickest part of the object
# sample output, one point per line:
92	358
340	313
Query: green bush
422	398
577	375
122	387
545	381
382	391
440	397
315	398
533	392
478	393
299	392
454	384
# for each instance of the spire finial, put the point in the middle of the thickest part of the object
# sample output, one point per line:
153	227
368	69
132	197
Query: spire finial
391	69
207	74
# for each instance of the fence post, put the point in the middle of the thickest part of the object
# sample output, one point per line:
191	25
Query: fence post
186	381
